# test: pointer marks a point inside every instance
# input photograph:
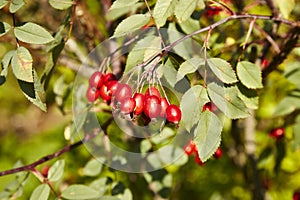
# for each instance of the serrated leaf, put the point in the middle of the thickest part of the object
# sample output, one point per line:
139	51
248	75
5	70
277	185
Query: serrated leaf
15	5
249	97
249	74
40	193
22	64
162	10
136	55
228	101
121	7
189	66
33	90
4	28
4	65
61	4
191	105
93	167
184	9
79	192
33	33
152	48
207	135
222	69
287	105
185	48
131	24
56	171
3	3
285	7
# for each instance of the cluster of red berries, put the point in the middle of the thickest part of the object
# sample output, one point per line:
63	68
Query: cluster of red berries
151	104
277	133
191	148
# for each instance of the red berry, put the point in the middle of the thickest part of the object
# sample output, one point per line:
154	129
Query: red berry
104	93
152	106
127	105
173	114
213	10
123	91
92	94
96	80
277	133
264	63
218	153
296	195
152	91
164	105
198	160
207	106
108	77
112	87
190	148
45	170
139	103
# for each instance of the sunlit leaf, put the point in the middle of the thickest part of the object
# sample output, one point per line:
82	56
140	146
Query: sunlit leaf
131	24
56	171
162	10
61	4
15	5
288	105
249	74
4	65
249	97
40	193
121	7
285	7
22	65
4	28
32	33
80	192
296	131
292	73
189	66
93	167
207	135
184	9
228	101
3	3
191	105
222	69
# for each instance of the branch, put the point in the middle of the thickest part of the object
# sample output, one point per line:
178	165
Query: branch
67	148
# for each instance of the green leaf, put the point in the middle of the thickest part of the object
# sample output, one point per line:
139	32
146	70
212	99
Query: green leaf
33	34
121	7
33	90
228	101
79	192
222	69
22	64
61	4
190	25
4	65
200	4
15	5
136	55
285	7
185	49
292	73
184	9
207	135
162	10
93	167
101	185
296	131
152	48
40	193
168	72
109	198
4	28
191	105
131	24
3	3
287	105
56	171
249	97
189	66
249	74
